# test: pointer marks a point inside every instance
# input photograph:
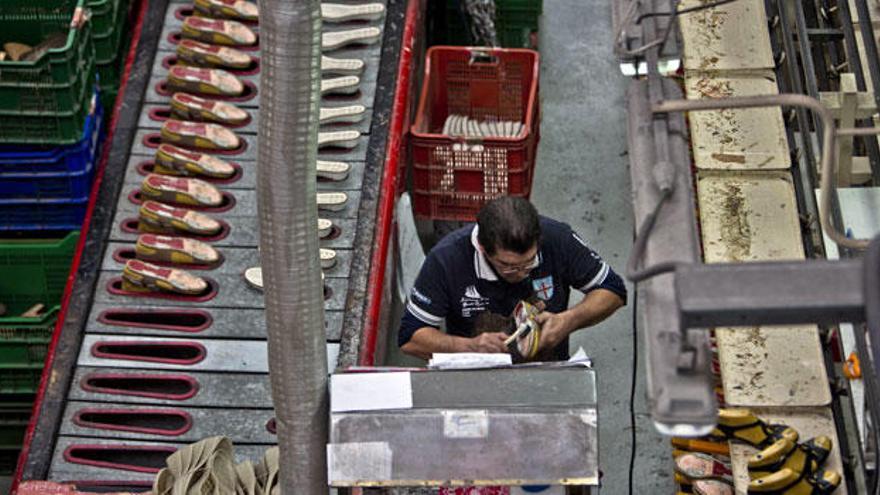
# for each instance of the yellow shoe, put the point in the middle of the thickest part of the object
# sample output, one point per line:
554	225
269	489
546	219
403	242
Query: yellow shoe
205	81
156	278
177	250
185	191
199	135
804	457
171	160
742	425
200	54
161	218
188	107
218	31
229	9
787	482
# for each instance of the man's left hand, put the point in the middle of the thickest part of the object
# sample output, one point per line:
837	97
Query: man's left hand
555	328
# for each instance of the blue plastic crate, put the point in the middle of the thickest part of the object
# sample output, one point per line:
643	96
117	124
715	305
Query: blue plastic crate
58	173
42	214
19	159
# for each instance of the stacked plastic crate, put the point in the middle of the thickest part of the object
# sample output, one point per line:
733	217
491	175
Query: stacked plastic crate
50	130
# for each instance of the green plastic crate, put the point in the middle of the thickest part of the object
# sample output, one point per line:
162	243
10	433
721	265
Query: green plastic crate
108	41
19	381
34	271
46	101
13	425
55	82
22	356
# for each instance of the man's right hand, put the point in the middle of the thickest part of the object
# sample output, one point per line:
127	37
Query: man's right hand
488	342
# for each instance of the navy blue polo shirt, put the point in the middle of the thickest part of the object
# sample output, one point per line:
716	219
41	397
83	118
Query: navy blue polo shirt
456	283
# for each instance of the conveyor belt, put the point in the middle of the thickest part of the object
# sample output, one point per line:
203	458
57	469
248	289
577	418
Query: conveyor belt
200	363
748	212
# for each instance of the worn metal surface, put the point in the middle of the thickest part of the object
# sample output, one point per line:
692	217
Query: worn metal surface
243	231
233	390
248	176
62	470
146	122
250	152
244	202
235	261
772	293
748	139
732	36
241	426
809	422
238	356
507	415
226	323
233	292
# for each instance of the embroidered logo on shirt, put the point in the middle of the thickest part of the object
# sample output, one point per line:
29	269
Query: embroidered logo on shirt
418	296
543	288
472	302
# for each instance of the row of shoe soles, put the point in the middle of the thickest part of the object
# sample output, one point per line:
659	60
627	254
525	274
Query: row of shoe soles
201	193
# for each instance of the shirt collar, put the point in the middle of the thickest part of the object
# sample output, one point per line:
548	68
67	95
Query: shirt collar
481	265
482	268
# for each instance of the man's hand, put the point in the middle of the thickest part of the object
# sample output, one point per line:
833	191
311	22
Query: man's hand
488	342
555	327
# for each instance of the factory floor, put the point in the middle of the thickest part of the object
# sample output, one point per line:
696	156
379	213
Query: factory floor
582	178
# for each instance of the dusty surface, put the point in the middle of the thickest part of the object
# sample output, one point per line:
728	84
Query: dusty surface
731	36
748	217
749	139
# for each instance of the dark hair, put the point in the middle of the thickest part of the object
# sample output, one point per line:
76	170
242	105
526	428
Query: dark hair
508	223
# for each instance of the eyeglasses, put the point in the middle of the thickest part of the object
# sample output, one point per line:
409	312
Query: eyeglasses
507	269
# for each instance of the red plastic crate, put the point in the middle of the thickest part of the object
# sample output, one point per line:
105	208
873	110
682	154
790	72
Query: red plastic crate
453	177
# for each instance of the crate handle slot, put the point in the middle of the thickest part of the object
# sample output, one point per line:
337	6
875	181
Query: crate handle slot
483	57
178	320
167	422
137	458
167	387
185	353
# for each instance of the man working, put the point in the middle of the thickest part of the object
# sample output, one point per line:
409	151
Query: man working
512	254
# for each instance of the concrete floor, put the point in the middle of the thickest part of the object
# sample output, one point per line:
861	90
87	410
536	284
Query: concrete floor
582	178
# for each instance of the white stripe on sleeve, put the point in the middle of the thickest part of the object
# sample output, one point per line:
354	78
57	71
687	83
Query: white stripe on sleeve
423	315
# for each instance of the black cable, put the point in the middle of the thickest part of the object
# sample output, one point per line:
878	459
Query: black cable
632	389
632	271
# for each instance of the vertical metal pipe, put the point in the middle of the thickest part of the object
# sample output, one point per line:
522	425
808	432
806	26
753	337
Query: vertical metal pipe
290	32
